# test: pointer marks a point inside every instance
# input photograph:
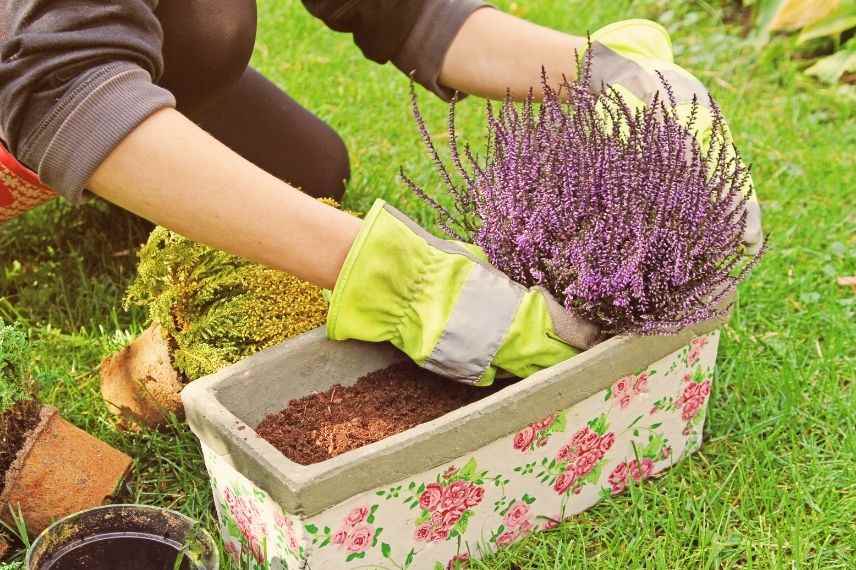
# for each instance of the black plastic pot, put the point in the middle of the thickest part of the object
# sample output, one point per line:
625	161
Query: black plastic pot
124	537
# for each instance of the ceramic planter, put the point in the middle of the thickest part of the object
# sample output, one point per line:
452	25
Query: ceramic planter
474	480
60	470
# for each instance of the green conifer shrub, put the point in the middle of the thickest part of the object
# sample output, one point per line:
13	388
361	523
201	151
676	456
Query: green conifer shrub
217	308
16	383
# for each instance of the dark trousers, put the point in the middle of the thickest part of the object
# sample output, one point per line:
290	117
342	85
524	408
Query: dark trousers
207	49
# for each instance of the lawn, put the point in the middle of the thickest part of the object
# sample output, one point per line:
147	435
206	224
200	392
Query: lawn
775	483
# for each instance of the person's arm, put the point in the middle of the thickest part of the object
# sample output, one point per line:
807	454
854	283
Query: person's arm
494	52
194	185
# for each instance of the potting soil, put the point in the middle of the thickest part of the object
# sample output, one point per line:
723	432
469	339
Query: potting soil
386	402
119	551
15	424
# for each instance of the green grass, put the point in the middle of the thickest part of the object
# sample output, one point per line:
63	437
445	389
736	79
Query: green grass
774	485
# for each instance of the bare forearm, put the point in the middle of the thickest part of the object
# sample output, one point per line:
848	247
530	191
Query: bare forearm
173	173
495	51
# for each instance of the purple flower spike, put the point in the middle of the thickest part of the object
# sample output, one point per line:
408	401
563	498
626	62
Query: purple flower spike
619	213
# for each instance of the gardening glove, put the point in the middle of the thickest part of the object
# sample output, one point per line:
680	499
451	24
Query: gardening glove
631	56
445	306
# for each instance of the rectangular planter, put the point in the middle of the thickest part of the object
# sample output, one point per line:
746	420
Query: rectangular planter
472	481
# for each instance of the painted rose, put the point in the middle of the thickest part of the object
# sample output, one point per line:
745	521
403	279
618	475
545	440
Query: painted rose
586	462
582	434
567	453
693	356
440	534
606	442
691	408
360	539
564	481
233	549
436	519
545	423
455	495
431	497
450	472
622	386
340	538
551	522
624	402
516	515
640	470
585	439
475	496
356	516
506	538
422	533
257	551
618	478
458	562
524	438
451	518
641	383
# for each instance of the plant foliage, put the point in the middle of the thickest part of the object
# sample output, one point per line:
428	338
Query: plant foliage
16	382
217	308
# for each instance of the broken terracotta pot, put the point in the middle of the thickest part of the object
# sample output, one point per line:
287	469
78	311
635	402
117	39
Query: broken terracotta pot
139	383
60	470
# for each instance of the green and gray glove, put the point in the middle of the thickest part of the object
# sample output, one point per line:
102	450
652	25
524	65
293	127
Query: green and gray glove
445	306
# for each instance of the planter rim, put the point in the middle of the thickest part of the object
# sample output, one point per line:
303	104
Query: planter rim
297	486
203	534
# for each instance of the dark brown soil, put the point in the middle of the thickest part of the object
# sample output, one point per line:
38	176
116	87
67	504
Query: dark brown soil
380	404
15	424
146	552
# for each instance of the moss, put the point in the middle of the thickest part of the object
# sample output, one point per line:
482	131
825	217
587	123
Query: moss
217	308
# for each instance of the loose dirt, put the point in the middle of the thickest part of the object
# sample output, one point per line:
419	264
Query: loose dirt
383	403
15	424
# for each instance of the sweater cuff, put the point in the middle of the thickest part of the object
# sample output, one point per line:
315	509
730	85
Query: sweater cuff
88	122
424	50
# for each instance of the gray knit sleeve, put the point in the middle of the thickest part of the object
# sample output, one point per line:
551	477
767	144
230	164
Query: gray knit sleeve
75	79
424	50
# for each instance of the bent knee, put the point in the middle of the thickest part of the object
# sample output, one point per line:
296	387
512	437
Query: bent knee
207	46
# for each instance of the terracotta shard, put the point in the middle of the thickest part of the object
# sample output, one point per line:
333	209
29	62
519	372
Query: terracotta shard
60	470
139	383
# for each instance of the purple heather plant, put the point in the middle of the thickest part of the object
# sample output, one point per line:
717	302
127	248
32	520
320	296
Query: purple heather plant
617	212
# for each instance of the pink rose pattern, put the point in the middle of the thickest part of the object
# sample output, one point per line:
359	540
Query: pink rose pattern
443	506
628	388
354	535
578	458
245	515
633	469
447	505
537	434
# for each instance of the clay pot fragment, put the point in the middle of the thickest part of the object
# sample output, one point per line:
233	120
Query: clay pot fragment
60	470
139	383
